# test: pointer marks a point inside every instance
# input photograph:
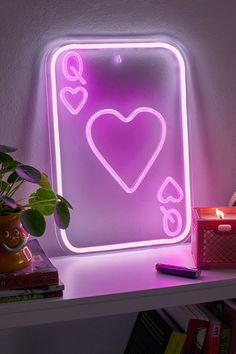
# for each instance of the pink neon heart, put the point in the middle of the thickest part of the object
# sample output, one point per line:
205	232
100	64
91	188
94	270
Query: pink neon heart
68	96
170	191
128	119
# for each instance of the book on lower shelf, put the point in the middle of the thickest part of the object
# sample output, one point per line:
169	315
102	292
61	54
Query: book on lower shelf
194	323
212	341
40	292
155	332
217	309
38	280
229	313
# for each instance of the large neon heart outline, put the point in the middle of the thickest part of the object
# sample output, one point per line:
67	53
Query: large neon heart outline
74	91
128	119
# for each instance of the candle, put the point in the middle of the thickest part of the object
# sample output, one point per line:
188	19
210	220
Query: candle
224	213
213	239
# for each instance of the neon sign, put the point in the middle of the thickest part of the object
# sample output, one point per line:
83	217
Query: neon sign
126	120
120	143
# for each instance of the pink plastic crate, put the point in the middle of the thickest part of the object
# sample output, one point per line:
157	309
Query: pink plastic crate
213	240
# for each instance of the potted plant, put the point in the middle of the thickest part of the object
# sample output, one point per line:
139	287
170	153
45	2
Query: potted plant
19	218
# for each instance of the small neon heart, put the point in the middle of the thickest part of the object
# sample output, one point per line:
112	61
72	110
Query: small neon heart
129	119
177	192
71	96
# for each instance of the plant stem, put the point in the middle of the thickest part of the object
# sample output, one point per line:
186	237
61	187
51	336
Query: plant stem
40	202
13	191
9	190
1	175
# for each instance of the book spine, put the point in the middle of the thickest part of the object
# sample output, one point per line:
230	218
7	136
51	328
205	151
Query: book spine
176	343
150	335
212	342
224	340
31	297
230	320
34	290
139	341
196	334
154	331
225	332
28	280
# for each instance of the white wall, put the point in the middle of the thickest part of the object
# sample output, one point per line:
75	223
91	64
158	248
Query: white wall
206	29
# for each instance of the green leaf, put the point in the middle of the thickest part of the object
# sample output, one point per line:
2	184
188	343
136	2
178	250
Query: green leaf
43	200
46	194
4	148
29	173
9	166
61	215
12	177
33	222
65	201
5	158
44	182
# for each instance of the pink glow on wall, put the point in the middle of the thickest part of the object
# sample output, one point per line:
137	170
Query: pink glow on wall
105	189
126	120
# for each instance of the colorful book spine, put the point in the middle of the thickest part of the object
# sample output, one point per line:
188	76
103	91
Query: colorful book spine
176	343
31	297
225	335
217	309
194	327
39	272
213	338
196	334
230	320
29	291
212	341
28	280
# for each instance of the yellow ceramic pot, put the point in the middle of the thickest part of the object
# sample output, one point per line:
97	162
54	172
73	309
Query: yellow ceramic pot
14	254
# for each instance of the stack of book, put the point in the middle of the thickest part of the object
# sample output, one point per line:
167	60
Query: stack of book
36	281
185	329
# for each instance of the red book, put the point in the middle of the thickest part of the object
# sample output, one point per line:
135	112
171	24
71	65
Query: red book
193	323
217	309
39	272
212	342
230	320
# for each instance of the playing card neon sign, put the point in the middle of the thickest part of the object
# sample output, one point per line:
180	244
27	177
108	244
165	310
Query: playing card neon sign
124	146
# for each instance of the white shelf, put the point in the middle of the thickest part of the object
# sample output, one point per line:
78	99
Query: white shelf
122	282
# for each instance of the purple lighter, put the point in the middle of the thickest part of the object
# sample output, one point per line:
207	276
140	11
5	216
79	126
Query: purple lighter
178	270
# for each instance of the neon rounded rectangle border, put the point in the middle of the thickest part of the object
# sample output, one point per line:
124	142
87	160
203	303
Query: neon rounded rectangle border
64	241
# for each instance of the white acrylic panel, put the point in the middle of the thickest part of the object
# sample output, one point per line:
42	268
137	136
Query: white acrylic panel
119	142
